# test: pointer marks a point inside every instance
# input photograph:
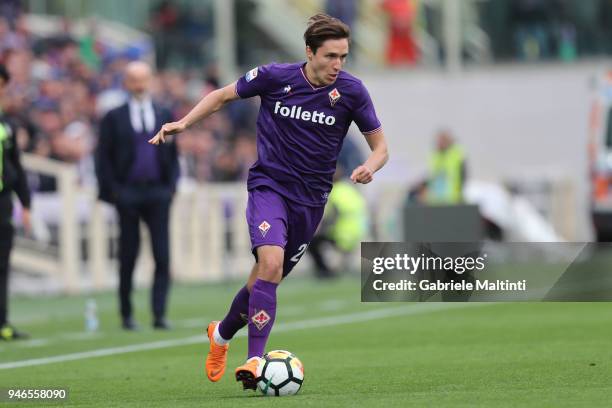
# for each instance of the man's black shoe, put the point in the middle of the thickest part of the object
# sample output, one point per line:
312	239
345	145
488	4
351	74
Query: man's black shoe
161	324
129	324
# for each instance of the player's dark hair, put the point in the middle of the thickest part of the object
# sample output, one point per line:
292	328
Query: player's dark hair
4	75
323	27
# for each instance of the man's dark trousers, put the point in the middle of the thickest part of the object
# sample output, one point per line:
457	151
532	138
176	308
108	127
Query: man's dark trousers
150	203
6	243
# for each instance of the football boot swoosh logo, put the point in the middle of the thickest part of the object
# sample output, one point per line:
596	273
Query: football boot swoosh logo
265	389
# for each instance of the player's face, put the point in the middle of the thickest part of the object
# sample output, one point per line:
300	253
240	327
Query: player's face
327	62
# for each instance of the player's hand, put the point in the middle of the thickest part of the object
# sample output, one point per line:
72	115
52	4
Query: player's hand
167	129
362	174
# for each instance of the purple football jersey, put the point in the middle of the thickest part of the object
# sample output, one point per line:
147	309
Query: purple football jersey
300	128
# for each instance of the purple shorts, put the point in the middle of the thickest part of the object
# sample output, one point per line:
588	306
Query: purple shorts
275	220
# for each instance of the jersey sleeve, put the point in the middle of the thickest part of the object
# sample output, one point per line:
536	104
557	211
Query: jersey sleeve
257	81
364	115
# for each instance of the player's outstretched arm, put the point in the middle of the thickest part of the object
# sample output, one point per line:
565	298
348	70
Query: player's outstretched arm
377	159
207	106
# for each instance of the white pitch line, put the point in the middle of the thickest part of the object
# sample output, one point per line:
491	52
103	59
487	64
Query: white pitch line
280	327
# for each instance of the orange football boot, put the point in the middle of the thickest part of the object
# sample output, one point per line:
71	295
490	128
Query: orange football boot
217	356
247	373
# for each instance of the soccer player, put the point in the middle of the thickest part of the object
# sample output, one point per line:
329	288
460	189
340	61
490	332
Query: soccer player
306	109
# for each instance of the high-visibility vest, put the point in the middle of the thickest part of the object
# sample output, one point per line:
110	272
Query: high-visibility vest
446	179
351	225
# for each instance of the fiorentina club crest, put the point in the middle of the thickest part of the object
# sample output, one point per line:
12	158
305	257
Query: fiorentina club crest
260	319
334	95
264	227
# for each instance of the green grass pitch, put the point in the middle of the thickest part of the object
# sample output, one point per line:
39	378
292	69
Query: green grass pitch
388	355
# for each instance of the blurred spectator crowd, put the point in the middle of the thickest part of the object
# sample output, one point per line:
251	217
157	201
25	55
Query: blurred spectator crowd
62	85
547	29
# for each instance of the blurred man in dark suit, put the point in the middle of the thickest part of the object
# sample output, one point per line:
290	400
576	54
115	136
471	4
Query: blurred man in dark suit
12	180
139	180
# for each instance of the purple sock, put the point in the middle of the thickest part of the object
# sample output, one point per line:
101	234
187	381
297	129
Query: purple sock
237	316
262	311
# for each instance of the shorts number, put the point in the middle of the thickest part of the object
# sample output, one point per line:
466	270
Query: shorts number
300	252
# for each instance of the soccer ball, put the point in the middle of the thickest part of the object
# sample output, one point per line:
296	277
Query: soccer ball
280	373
